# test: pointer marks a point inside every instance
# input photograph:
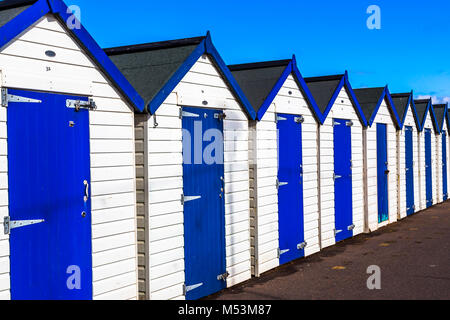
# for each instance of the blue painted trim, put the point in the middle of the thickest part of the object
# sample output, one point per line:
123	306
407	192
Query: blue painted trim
414	110
170	85
309	97
359	111
444	118
28	17
269	99
433	120
220	64
20	23
386	95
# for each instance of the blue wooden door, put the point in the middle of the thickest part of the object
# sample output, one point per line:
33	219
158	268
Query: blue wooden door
382	173
444	165
428	169
204	206
343	179
290	188
409	168
49	173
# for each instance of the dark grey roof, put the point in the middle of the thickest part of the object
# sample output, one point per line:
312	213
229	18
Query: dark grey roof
258	79
12	8
323	88
421	108
439	111
368	99
400	103
148	67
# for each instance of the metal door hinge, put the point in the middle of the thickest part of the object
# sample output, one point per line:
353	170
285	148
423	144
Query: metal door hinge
280	252
349	123
337	231
279	119
186	288
220	116
299	119
188	114
335	123
302	245
336	176
78	104
280	184
6	98
351	227
185	199
8	225
223	276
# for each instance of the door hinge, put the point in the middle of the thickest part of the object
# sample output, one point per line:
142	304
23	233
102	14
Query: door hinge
302	245
337	231
280	252
220	116
349	123
351	227
188	114
336	176
186	288
78	104
223	276
185	199
6	98
280	184
335	123
278	118
8	225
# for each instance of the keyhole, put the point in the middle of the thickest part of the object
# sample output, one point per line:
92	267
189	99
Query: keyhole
83	214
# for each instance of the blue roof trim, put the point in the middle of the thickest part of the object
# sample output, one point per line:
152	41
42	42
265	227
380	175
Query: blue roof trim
444	118
57	7
309	97
212	51
447	116
414	111
205	47
345	83
20	23
433	120
170	85
266	104
386	95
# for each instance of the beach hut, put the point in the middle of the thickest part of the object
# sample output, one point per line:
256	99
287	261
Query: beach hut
341	200
283	163
193	168
408	155
67	160
381	155
428	153
441	111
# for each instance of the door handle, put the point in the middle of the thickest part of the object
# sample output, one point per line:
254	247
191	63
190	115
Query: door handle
386	172
86	190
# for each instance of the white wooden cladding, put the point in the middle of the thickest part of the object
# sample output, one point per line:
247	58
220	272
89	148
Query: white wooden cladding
24	65
383	116
342	109
165	170
409	121
264	157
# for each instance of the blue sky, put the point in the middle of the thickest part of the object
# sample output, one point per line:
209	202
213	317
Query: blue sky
410	51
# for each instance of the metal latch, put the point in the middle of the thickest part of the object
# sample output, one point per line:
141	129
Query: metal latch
78	104
8	225
223	276
220	116
280	252
351	227
299	119
302	245
6	98
185	199
280	184
349	123
186	289
188	114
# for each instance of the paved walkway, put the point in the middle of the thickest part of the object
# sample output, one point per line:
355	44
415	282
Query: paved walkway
413	254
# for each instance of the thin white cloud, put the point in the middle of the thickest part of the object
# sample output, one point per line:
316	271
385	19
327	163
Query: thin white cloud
436	100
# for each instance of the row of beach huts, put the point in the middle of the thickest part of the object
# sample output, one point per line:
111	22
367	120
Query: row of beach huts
156	171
